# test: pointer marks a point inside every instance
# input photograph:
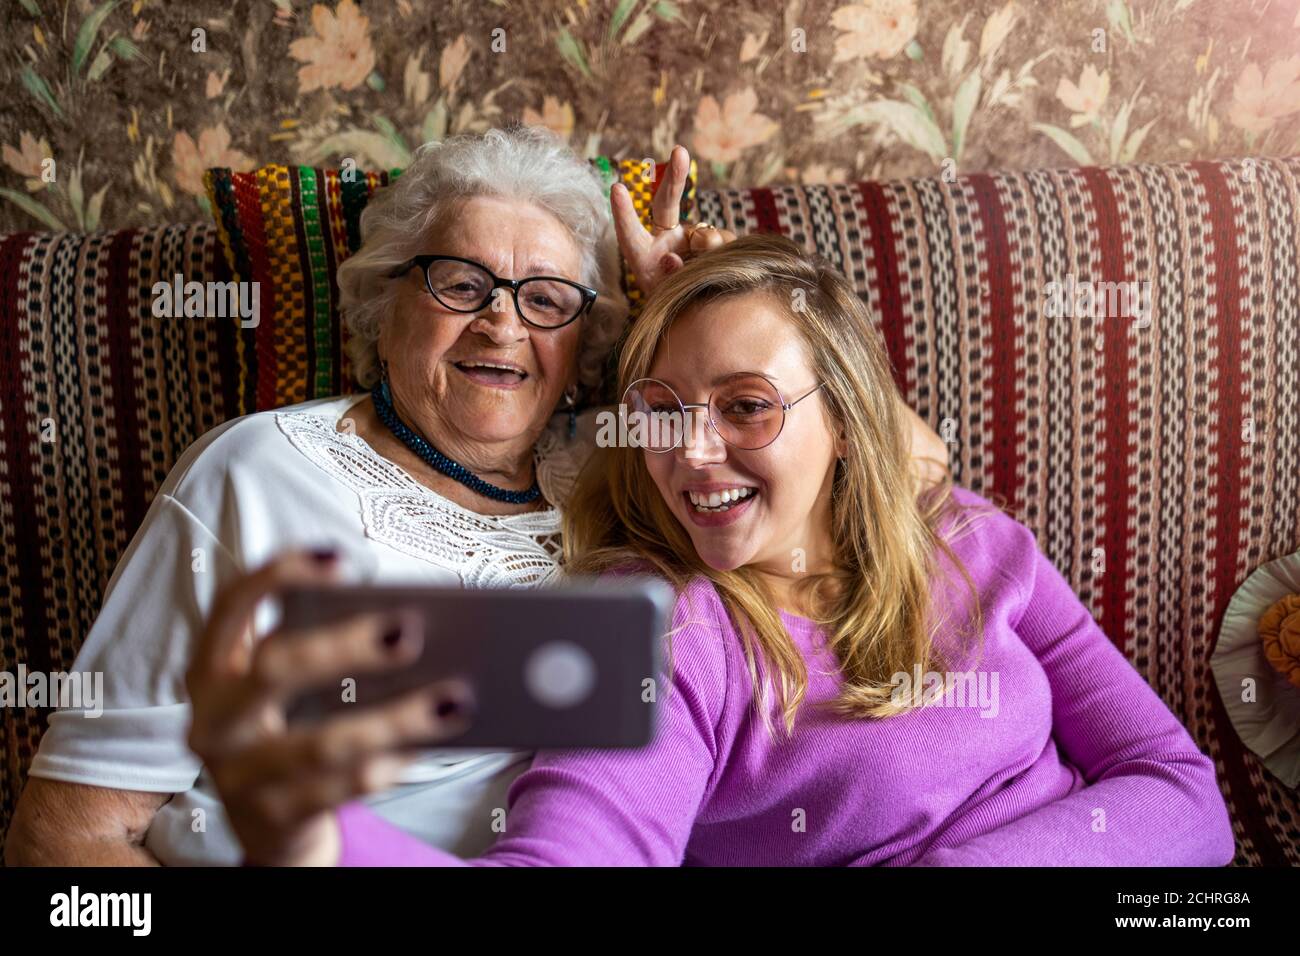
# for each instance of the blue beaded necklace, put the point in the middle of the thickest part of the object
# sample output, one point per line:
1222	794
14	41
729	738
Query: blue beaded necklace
437	460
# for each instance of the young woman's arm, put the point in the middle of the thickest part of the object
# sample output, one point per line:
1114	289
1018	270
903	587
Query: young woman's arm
1151	799
592	807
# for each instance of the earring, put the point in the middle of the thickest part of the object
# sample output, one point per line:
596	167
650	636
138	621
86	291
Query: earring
571	399
383	382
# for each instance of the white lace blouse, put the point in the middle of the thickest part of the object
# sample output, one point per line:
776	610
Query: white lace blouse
241	494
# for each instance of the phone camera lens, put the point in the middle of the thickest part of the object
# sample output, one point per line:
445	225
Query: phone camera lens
560	674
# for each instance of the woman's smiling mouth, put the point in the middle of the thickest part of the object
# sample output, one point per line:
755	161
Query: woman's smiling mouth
719	505
492	374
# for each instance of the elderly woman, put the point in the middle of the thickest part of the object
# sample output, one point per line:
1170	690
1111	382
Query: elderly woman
484	298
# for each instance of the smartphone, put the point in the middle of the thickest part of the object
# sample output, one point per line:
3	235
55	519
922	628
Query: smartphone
568	666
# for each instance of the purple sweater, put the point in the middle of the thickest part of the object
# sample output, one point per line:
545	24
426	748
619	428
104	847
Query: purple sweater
1066	758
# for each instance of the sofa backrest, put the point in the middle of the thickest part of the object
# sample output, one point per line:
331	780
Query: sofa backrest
1151	443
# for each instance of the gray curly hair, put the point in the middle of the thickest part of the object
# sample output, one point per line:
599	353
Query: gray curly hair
523	163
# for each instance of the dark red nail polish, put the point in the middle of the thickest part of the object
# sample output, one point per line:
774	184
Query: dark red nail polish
392	637
455	703
324	555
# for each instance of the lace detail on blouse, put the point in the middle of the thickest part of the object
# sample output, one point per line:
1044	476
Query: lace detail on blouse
483	550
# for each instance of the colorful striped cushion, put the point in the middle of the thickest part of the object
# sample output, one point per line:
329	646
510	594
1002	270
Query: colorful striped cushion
1157	465
288	228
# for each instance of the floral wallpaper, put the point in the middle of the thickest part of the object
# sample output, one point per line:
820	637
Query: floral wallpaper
113	108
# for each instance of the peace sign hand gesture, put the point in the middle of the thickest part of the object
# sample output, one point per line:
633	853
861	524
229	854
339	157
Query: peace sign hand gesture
654	254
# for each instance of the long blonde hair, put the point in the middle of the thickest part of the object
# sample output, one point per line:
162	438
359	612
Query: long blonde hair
875	606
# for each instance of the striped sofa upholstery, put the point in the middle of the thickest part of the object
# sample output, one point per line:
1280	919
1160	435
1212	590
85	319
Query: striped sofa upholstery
1158	461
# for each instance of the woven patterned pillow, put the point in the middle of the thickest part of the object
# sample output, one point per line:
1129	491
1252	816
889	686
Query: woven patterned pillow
288	228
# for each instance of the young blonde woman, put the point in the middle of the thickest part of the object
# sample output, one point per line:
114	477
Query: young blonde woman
861	672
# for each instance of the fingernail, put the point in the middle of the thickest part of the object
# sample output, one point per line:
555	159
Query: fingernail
325	555
666	263
403	631
454	702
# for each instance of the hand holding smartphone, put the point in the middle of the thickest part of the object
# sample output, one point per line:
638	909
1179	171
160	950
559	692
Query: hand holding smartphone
564	667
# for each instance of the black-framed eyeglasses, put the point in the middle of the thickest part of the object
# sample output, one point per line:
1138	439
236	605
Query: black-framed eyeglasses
745	410
463	285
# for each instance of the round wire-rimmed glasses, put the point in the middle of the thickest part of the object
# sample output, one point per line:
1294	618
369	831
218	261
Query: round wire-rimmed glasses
463	285
745	410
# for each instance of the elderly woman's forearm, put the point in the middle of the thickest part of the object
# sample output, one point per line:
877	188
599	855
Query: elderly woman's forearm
73	853
68	824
